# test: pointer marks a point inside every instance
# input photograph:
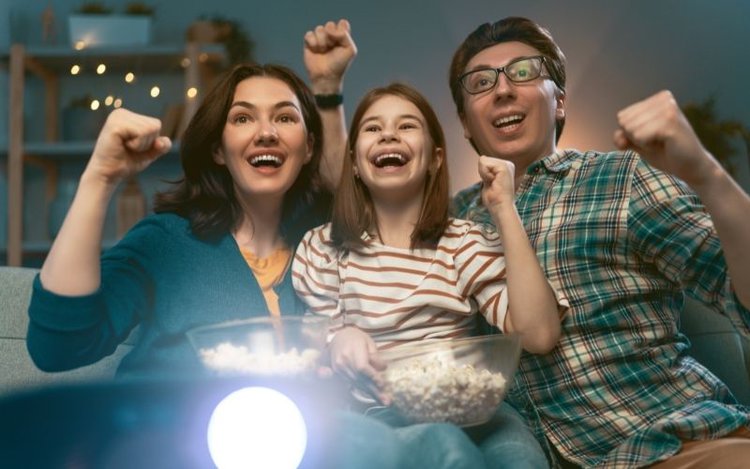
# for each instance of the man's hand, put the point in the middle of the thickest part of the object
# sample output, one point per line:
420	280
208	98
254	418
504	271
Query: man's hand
657	129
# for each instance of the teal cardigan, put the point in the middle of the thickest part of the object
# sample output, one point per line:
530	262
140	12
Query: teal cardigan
159	276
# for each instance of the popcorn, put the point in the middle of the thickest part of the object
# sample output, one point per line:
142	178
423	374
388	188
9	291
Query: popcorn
435	390
231	359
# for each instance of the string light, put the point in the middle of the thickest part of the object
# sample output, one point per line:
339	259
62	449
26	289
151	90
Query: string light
109	100
100	69
95	105
155	91
75	69
192	92
117	103
185	63
79	45
129	77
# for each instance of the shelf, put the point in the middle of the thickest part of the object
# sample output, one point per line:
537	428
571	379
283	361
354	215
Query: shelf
64	151
52	65
145	59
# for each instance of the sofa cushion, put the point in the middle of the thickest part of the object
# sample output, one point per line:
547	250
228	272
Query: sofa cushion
17	371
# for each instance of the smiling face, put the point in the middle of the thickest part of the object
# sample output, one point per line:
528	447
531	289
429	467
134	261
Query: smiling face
265	142
394	151
513	121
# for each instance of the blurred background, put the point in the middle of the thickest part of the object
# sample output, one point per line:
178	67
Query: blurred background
618	53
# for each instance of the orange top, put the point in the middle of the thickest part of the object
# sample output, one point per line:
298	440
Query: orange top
269	271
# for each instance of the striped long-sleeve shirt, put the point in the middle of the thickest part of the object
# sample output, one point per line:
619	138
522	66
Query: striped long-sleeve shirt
402	295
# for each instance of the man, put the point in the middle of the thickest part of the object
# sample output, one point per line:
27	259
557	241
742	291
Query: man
623	235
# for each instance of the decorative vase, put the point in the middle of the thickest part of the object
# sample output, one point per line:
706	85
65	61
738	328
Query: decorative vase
82	124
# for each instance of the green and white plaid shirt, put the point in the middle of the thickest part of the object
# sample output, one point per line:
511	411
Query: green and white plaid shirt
622	241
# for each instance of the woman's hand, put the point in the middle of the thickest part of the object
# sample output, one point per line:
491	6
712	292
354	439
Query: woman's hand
355	356
127	144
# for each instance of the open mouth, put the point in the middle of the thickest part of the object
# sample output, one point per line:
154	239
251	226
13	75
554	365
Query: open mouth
508	121
389	159
260	161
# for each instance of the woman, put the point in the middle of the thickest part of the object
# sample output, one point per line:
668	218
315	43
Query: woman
218	246
392	268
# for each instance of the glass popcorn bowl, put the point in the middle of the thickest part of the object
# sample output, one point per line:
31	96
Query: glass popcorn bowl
462	381
286	346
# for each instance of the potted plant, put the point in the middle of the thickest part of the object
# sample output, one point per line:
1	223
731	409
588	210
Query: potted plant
79	121
718	136
94	24
218	29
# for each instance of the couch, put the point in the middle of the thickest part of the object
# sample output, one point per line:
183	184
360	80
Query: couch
17	371
714	341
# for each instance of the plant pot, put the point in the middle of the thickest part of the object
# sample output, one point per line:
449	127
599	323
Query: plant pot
207	31
109	30
82	124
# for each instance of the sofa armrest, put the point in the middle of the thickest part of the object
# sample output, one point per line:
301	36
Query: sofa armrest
717	345
17	371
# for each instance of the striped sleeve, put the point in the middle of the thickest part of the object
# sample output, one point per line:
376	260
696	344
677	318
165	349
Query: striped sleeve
480	261
315	275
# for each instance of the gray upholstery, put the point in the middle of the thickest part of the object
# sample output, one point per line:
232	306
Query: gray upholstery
17	371
717	345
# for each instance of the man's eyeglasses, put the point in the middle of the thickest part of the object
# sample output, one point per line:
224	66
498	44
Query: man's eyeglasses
518	71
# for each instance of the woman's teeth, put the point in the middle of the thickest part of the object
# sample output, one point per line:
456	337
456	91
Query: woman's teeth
265	160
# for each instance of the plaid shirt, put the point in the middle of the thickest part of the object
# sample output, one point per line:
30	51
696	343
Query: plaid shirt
622	241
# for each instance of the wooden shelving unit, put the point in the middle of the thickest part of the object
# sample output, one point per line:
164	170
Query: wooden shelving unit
50	64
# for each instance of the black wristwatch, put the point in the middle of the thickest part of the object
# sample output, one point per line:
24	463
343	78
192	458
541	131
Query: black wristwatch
329	101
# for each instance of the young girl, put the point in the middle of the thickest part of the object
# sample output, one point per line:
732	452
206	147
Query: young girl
393	268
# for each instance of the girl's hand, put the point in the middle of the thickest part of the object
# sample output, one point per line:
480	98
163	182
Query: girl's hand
355	356
329	50
498	186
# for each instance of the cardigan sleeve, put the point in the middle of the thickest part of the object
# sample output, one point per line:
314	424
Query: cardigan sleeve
67	332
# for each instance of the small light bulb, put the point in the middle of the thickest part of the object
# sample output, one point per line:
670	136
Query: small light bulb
79	45
185	62
129	77
155	91
118	103
109	100
192	92
95	105
101	68
75	69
